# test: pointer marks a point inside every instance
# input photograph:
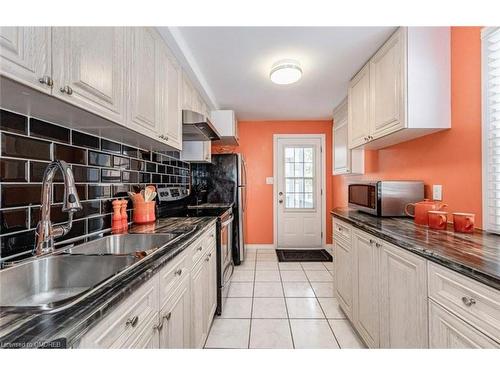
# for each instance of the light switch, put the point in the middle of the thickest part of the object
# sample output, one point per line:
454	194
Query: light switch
437	192
269	180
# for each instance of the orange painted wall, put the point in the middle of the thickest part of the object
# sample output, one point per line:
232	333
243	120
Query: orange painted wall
451	158
256	145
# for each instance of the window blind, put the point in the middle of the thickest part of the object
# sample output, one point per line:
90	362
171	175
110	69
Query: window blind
491	128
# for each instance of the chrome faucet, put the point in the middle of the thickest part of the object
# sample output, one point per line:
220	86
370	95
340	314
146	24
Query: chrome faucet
45	231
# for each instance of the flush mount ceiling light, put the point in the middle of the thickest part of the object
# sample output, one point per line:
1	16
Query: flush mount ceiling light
285	72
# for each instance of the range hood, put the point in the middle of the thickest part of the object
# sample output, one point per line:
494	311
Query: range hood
197	127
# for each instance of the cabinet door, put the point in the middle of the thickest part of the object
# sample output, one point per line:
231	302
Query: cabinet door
450	332
343	276
212	287
359	108
143	81
89	69
174	114
403	299
25	56
366	294
148	338
387	92
176	319
198	291
341	152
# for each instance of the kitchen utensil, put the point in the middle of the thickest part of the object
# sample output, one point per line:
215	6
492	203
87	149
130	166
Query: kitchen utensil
463	222
420	210
438	219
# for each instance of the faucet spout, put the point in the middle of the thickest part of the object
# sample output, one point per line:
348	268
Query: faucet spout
46	232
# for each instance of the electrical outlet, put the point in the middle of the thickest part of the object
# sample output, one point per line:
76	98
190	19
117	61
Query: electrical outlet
437	192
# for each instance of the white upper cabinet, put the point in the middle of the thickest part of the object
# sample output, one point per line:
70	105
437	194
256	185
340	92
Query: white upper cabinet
227	125
89	69
187	93
144	91
197	151
359	108
387	97
25	56
345	161
174	115
408	86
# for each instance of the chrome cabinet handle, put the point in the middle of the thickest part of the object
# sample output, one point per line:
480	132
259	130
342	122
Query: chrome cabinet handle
46	80
199	249
371	241
340	229
207	259
158	327
377	244
66	89
280	201
468	301
178	272
132	321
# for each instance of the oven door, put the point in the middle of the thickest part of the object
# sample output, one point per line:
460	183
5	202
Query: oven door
364	197
226	247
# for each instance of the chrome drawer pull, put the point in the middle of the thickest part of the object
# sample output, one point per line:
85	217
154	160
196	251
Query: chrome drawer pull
200	248
468	301
178	272
132	321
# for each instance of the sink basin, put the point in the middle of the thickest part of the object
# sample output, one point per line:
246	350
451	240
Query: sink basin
124	244
55	281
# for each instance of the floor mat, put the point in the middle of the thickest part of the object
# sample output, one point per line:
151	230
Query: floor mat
298	255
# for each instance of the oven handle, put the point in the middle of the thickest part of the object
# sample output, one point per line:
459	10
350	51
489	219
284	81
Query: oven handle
227	222
231	275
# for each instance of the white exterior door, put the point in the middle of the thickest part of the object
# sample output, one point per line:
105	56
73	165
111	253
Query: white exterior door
299	220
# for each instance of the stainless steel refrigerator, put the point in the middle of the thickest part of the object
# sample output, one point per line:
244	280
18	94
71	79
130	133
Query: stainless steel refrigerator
224	181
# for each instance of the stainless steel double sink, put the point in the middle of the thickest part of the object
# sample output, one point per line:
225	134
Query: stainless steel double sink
55	282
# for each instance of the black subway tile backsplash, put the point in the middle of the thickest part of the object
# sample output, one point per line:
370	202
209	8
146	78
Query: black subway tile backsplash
85	174
99	159
104	170
110	146
110	175
46	130
12	122
13	170
70	154
122	163
99	191
14	195
84	140
13	220
24	147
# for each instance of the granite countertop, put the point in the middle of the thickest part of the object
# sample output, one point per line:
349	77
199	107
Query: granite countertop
474	255
65	328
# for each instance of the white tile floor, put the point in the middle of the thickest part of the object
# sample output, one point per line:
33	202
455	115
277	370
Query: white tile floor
282	305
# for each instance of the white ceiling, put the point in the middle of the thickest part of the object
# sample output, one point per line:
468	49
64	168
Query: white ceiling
232	65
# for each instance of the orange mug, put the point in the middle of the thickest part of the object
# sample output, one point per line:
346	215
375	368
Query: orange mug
420	210
463	222
438	219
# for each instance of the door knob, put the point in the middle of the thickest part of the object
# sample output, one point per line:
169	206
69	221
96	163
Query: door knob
280	193
280	201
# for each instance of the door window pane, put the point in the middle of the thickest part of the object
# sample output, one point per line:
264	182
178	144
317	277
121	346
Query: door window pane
299	177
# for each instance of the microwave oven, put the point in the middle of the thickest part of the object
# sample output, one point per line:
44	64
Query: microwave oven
384	198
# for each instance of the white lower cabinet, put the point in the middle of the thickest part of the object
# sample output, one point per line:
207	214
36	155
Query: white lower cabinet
366	288
343	275
447	331
174	309
403	299
175	319
397	299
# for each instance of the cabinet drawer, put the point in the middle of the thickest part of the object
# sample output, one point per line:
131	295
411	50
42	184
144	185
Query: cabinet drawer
171	275
450	332
341	231
127	320
203	245
477	304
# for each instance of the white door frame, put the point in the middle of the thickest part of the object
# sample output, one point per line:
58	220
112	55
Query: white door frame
276	137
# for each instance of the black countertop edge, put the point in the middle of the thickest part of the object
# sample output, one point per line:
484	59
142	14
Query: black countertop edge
433	252
64	329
